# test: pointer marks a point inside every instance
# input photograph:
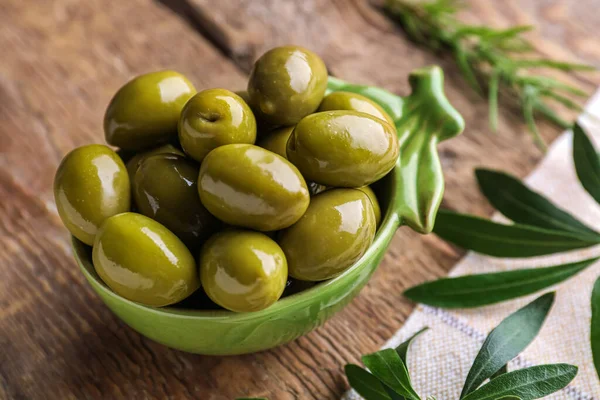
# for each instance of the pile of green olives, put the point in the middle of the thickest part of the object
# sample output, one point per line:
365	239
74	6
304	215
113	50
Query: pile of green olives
221	199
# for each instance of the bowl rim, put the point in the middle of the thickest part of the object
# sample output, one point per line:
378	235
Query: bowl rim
388	227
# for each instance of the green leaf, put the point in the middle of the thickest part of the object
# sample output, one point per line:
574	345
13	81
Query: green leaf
595	326
570	104
507	340
501	371
552	116
463	62
490	33
494	239
509	398
493	99
423	119
560	65
529	101
365	384
402	349
393	395
387	366
546	82
527	384
522	205
587	163
479	290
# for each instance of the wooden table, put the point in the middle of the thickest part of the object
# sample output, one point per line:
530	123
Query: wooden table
60	63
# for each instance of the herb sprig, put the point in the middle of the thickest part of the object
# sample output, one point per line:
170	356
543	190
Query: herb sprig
493	61
387	377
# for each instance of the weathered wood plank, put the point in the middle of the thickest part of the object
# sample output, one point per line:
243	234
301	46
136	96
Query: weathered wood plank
62	62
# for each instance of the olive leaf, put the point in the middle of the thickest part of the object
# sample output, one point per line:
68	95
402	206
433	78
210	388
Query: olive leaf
524	206
365	384
499	240
403	347
587	162
527	384
507	340
483	289
388	367
501	371
595	326
422	119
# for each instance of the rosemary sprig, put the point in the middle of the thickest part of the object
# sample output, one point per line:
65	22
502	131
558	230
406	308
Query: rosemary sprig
492	61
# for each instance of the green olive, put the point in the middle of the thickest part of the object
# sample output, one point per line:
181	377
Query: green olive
343	148
143	261
286	84
336	230
90	185
144	113
374	202
276	140
213	118
242	270
135	161
354	102
165	189
246	185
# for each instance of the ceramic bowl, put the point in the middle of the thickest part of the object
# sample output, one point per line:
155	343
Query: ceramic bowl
223	332
410	193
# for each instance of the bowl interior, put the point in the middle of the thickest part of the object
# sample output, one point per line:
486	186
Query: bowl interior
221	332
384	189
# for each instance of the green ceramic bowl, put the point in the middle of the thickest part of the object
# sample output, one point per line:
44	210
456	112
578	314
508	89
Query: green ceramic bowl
410	194
224	332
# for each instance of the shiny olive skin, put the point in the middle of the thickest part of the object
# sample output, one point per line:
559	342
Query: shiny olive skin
90	185
343	148
286	84
246	185
374	202
276	141
165	189
135	161
336	230
354	102
144	113
213	118
143	261
242	270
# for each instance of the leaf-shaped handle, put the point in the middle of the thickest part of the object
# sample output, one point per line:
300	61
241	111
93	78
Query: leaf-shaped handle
422	119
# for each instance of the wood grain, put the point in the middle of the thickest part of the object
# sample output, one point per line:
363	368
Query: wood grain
63	60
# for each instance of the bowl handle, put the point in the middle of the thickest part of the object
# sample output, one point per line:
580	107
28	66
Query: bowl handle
422	119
